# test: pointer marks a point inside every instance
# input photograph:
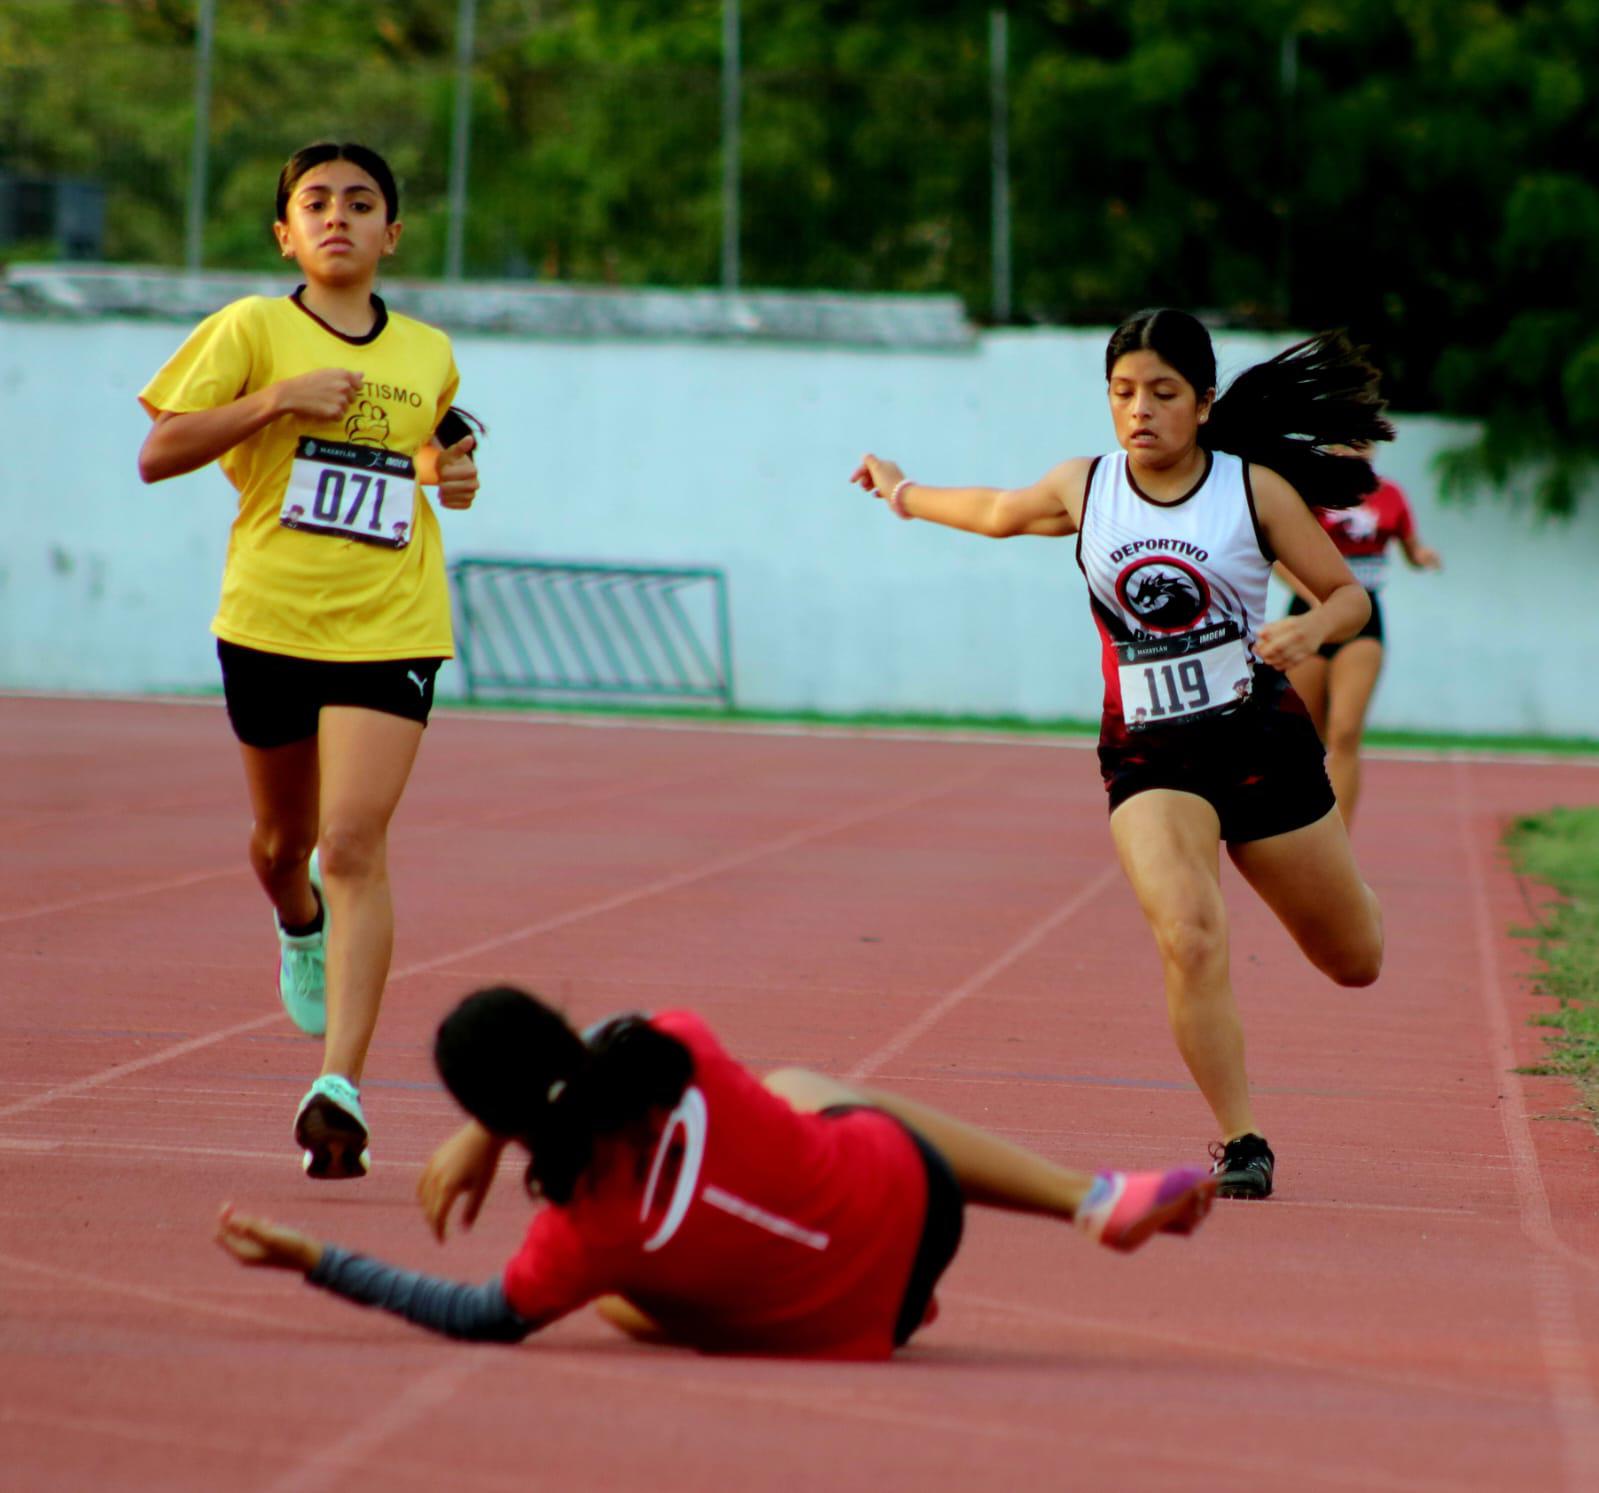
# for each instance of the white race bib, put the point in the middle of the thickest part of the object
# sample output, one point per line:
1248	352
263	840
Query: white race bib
1171	681
352	492
1369	570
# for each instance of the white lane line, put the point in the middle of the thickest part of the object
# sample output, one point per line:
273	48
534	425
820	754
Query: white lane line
670	883
137	1065
328	1467
834	825
1576	1410
1219	1348
969	987
123	893
131	892
185	1440
168	1300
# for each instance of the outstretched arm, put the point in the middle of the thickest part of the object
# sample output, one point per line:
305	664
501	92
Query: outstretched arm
1052	507
478	1314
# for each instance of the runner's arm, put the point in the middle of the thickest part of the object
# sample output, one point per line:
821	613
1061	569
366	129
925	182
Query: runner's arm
1421	556
1294	584
473	1314
1301	546
453	470
479	1314
1051	507
181	442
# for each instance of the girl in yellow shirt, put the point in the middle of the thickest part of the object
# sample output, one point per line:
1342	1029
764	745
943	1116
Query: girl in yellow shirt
326	411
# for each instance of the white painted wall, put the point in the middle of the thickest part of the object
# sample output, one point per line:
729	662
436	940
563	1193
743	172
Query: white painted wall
737	455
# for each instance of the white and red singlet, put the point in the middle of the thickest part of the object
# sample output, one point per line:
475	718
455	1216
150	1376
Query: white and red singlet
1178	592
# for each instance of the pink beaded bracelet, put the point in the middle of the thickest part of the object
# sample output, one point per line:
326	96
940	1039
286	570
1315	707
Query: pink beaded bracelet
895	501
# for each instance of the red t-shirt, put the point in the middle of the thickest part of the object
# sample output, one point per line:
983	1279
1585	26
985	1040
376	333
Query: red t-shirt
744	1226
1363	533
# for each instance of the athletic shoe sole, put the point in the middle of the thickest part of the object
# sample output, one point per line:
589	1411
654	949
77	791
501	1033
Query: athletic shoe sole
334	1141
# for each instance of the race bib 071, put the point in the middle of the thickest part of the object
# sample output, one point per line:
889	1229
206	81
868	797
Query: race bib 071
352	492
1172	681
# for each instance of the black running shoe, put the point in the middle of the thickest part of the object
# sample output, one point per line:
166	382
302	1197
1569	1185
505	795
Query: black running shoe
1244	1167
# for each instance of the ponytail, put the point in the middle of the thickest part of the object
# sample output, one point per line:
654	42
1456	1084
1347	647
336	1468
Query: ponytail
1286	412
517	1068
1283	413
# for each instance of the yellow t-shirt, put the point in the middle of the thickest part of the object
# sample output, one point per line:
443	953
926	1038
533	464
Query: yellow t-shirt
295	590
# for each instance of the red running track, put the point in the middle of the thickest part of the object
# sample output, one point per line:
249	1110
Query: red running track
1416	1310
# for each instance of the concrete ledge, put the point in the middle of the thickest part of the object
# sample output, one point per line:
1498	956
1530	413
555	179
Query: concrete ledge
567	313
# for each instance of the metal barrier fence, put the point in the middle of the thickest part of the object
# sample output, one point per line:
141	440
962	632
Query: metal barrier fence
554	629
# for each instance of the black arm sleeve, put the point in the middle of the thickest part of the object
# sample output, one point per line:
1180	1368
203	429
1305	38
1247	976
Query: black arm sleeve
475	1314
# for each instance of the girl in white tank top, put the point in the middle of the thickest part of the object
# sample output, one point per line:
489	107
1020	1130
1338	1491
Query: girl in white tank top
1177	589
1202	743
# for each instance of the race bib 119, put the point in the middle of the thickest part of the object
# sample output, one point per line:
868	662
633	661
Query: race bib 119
1172	681
354	492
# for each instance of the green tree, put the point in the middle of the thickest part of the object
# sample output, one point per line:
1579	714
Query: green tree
1419	171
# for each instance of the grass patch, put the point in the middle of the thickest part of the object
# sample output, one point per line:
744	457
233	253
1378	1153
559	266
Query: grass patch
1561	848
1438	741
865	720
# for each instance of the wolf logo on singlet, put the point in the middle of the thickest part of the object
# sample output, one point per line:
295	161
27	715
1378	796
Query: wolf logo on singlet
1178	592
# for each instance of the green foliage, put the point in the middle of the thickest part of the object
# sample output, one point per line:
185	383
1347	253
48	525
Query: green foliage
1561	849
1419	171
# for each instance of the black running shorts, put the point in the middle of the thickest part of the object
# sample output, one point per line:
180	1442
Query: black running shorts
274	698
942	1225
1262	768
1373	628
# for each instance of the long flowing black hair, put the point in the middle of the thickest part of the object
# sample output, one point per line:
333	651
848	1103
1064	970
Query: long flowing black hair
1283	413
517	1068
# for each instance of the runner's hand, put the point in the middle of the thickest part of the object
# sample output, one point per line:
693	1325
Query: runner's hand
463	1167
458	473
259	1241
322	395
1290	640
877	476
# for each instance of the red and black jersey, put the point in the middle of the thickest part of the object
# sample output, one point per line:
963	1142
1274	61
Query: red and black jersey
743	1224
1363	533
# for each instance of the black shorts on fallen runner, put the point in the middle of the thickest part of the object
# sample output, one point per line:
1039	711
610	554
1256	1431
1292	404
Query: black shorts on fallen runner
1262	768
1373	628
942	1226
275	699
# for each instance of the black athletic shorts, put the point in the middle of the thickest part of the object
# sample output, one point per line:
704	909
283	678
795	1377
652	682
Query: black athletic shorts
1373	628
941	1228
274	698
1262	768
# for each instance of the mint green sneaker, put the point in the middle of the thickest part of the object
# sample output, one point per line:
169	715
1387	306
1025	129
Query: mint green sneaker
302	978
330	1128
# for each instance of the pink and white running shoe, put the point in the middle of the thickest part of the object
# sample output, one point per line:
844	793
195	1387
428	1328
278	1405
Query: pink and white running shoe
1123	1209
